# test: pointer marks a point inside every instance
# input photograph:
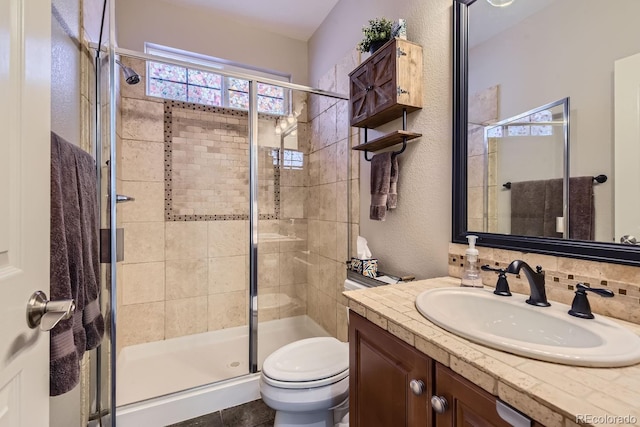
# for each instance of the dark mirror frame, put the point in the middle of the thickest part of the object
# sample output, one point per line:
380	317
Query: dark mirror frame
593	251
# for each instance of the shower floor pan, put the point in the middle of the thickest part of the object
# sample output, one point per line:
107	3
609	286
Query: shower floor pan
150	370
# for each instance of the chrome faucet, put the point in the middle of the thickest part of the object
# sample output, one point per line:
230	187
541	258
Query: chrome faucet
536	282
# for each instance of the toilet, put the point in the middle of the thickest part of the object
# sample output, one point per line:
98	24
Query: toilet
307	381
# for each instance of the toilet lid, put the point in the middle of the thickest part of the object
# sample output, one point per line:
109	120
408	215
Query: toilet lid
307	360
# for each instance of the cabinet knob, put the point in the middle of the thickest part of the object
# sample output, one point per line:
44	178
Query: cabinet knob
368	88
417	387
439	404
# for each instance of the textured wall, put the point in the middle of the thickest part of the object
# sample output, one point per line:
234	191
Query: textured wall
414	238
65	69
342	30
333	172
72	83
199	30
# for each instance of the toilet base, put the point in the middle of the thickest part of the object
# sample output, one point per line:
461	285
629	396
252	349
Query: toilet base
304	419
334	417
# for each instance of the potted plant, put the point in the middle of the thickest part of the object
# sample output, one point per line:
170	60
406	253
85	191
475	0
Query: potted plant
377	33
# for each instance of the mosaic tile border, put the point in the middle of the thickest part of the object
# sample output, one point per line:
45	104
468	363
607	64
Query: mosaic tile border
566	280
625	292
169	105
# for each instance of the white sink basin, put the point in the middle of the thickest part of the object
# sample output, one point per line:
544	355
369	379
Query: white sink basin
543	333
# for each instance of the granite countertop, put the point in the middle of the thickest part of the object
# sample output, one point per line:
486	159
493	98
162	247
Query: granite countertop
552	394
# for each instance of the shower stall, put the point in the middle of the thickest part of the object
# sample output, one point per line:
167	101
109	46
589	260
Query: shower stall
225	205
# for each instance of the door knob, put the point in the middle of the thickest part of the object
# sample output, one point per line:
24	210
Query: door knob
439	404
417	387
47	314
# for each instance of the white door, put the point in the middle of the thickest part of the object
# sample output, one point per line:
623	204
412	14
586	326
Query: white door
25	52
627	147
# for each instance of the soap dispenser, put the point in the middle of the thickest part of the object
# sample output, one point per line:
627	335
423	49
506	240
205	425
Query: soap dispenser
471	275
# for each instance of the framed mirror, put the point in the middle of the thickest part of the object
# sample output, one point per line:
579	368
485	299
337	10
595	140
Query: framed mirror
513	60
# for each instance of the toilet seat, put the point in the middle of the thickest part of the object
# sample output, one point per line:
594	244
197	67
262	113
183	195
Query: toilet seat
305	384
308	363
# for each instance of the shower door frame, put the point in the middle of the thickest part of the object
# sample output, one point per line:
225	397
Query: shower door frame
114	51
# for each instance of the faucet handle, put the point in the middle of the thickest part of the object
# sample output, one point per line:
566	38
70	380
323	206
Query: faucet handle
580	306
487	267
502	286
606	293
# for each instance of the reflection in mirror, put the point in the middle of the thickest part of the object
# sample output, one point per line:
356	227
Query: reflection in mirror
537	52
514	59
516	171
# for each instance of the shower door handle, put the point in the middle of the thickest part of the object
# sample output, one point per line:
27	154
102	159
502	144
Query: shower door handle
121	198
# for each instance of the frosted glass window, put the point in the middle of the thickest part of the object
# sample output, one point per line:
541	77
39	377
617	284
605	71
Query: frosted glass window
202	78
520	129
167	72
291	159
543	130
204	95
267	104
238	100
495	132
167	89
201	87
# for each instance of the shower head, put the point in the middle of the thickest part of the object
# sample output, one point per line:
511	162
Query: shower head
130	76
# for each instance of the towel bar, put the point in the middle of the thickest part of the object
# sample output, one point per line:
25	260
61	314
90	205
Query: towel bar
600	179
388	140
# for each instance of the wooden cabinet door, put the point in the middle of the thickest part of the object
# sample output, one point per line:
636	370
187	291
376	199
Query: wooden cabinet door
372	87
359	87
467	404
381	367
382	73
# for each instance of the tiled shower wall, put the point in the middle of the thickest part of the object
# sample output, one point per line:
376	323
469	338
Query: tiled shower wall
186	263
331	177
209	154
483	110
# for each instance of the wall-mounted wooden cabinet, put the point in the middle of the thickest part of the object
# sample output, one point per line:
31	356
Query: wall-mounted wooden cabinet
387	82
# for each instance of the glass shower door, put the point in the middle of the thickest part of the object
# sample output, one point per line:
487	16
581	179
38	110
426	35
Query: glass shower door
182	290
303	155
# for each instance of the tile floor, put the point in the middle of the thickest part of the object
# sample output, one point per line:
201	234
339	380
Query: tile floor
252	414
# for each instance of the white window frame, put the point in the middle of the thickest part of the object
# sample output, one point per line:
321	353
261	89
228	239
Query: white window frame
222	65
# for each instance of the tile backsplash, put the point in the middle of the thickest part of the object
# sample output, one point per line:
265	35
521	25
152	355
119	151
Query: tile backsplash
562	274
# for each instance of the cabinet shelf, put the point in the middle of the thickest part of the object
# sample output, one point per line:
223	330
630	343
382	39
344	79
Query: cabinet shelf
388	140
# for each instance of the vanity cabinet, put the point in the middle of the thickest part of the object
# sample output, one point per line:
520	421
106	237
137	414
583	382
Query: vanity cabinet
387	82
467	404
382	371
